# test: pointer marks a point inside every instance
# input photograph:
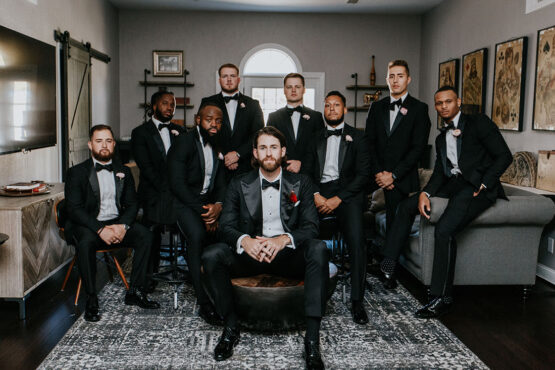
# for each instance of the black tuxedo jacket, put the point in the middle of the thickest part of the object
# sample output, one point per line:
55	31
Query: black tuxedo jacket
248	119
298	148
82	194
398	149
353	162
242	210
482	152
150	155
186	172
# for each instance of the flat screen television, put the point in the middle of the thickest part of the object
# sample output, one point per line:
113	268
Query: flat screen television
27	92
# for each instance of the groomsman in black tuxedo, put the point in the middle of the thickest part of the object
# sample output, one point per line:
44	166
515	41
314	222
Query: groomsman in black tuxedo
196	176
397	129
268	225
242	118
102	206
298	123
471	155
150	143
339	167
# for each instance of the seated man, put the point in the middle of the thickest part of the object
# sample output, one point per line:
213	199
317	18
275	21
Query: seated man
268	225
471	155
339	167
197	180
102	206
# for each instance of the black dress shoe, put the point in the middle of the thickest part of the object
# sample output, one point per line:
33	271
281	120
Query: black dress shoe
312	355
359	314
435	308
389	282
91	309
208	314
228	340
137	298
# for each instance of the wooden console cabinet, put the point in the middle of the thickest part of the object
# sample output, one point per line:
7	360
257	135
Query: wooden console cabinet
34	250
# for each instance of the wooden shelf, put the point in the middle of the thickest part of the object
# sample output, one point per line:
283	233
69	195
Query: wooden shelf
166	83
367	87
363	108
178	106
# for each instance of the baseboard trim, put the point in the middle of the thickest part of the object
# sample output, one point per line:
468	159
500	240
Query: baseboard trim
546	273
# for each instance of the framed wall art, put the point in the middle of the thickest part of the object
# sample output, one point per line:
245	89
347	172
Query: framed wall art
508	84
544	86
474	79
167	63
448	75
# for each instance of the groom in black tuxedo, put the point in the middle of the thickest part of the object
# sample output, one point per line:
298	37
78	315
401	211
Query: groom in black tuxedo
471	155
196	176
397	129
150	143
102	206
339	167
297	122
268	225
242	118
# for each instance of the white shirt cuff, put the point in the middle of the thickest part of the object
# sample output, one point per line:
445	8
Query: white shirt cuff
292	245
427	194
238	247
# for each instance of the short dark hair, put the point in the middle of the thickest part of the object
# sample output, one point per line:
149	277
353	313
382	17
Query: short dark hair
96	128
399	63
227	65
270	131
155	98
447	88
207	104
293	75
337	93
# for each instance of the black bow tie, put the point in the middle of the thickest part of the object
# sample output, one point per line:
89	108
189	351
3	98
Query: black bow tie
337	132
266	184
163	125
298	108
228	98
395	103
99	167
448	126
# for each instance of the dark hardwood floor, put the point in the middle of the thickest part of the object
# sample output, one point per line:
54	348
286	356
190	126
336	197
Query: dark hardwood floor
492	321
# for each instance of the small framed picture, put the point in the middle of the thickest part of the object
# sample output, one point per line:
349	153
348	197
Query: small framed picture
474	78
167	63
544	90
448	75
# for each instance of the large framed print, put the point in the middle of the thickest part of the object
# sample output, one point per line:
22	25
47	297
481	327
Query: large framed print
448	75
544	87
508	84
474	79
167	63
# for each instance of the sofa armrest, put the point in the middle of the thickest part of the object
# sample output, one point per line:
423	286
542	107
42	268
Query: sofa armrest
521	210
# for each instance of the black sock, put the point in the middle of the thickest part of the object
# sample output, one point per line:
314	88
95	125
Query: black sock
313	328
231	321
356	303
388	266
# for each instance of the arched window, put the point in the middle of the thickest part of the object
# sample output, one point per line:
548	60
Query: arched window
269	61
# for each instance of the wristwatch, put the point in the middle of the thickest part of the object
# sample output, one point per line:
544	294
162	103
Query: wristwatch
126	227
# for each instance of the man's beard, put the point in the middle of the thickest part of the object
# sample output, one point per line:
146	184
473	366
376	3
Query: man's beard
159	117
334	122
102	158
213	140
270	167
229	91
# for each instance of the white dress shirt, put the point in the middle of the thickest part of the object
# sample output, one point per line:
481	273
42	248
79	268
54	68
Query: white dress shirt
393	113
295	118
164	134
451	142
271	214
331	165
231	108
107	184
208	163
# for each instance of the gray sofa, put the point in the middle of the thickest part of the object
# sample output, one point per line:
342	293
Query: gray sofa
500	247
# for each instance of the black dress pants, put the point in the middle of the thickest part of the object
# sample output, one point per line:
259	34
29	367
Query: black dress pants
462	209
350	220
88	242
309	261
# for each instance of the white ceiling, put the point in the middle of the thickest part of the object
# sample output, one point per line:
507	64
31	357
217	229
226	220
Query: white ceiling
305	6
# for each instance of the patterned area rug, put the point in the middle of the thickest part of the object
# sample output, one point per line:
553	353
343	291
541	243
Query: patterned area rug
131	338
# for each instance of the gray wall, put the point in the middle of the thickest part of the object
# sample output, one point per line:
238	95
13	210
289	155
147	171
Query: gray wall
456	27
335	44
88	20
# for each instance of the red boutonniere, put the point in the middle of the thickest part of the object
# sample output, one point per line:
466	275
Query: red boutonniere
293	197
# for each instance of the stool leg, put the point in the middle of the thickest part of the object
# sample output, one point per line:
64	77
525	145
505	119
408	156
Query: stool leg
120	271
68	273
78	291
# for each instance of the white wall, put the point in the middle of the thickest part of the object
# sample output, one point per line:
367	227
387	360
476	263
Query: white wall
457	27
95	21
335	44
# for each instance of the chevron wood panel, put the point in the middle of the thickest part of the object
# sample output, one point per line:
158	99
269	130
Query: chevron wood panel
11	274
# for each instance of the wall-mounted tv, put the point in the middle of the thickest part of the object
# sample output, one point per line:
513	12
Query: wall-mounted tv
27	92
